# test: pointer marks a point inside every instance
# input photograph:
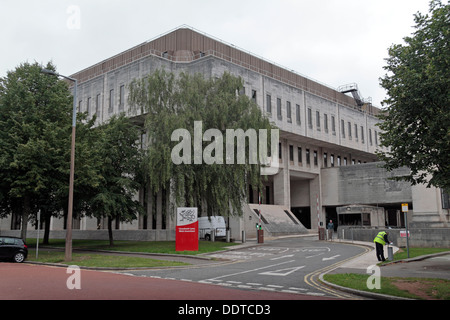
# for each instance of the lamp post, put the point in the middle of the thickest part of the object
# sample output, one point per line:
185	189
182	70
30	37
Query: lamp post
68	250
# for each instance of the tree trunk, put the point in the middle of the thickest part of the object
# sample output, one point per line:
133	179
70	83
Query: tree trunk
110	234
47	218
25	214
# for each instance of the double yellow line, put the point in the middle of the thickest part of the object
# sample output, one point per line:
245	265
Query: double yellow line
312	278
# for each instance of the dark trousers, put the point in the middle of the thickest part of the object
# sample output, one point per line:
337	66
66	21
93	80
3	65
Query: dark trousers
380	251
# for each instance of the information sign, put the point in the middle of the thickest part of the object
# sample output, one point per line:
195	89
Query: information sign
187	229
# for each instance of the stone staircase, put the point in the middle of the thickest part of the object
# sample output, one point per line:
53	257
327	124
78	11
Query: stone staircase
278	220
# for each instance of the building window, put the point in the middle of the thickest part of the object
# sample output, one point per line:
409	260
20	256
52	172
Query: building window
97	105
325	122
122	98
111	101
254	96
291	153
269	103
309	118
445	199
299	154
376	137
370	136
315	158
297	115
349	130
362	134
356	132
88	108
308	160
325	164
339	161
333	125
318	120
345	161
279	151
288	111
332	160
279	109
343	128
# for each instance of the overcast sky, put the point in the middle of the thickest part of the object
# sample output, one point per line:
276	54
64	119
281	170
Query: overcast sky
333	41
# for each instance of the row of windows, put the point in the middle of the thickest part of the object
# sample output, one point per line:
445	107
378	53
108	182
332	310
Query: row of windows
94	107
328	159
350	132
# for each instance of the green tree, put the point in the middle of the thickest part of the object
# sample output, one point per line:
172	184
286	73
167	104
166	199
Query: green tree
35	113
416	122
121	158
172	103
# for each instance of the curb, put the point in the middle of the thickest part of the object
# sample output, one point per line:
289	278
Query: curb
372	295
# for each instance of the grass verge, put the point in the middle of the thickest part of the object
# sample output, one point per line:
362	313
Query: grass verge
113	261
100	260
412	288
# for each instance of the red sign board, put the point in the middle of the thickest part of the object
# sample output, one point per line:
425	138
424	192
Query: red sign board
187	230
403	233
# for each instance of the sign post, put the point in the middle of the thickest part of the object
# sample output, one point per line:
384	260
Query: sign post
187	229
405	211
38	221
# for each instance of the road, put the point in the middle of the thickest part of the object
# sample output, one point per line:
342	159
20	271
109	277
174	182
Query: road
279	270
290	265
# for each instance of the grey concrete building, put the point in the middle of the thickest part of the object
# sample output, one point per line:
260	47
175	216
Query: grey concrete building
328	137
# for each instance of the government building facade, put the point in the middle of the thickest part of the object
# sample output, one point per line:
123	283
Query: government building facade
328	168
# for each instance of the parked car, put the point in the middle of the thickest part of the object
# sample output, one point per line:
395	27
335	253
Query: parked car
207	224
12	248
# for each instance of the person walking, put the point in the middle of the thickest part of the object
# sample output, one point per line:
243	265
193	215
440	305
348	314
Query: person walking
380	240
330	229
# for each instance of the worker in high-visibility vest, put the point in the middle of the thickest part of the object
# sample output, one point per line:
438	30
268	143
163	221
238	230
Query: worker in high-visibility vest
380	240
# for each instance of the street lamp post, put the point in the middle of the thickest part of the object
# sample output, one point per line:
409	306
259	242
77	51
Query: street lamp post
68	251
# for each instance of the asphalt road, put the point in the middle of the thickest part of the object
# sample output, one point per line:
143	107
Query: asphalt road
290	265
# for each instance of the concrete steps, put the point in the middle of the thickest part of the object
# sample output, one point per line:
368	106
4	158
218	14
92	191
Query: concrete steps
278	220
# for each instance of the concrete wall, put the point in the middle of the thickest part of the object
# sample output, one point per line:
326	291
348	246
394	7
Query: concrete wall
364	184
137	235
419	237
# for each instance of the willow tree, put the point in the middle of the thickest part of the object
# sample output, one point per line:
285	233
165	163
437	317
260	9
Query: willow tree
196	113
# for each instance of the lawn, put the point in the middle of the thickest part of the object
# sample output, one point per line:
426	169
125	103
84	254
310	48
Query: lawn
94	259
167	247
99	260
415	288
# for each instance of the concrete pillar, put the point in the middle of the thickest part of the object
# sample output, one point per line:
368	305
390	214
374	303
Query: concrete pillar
281	181
149	208
159	211
314	196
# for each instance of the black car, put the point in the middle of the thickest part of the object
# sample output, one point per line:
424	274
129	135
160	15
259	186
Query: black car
13	248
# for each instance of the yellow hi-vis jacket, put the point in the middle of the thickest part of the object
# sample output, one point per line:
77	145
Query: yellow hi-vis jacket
380	238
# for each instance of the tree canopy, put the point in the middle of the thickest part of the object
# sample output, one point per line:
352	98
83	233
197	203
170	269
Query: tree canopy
203	109
416	122
35	113
119	169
